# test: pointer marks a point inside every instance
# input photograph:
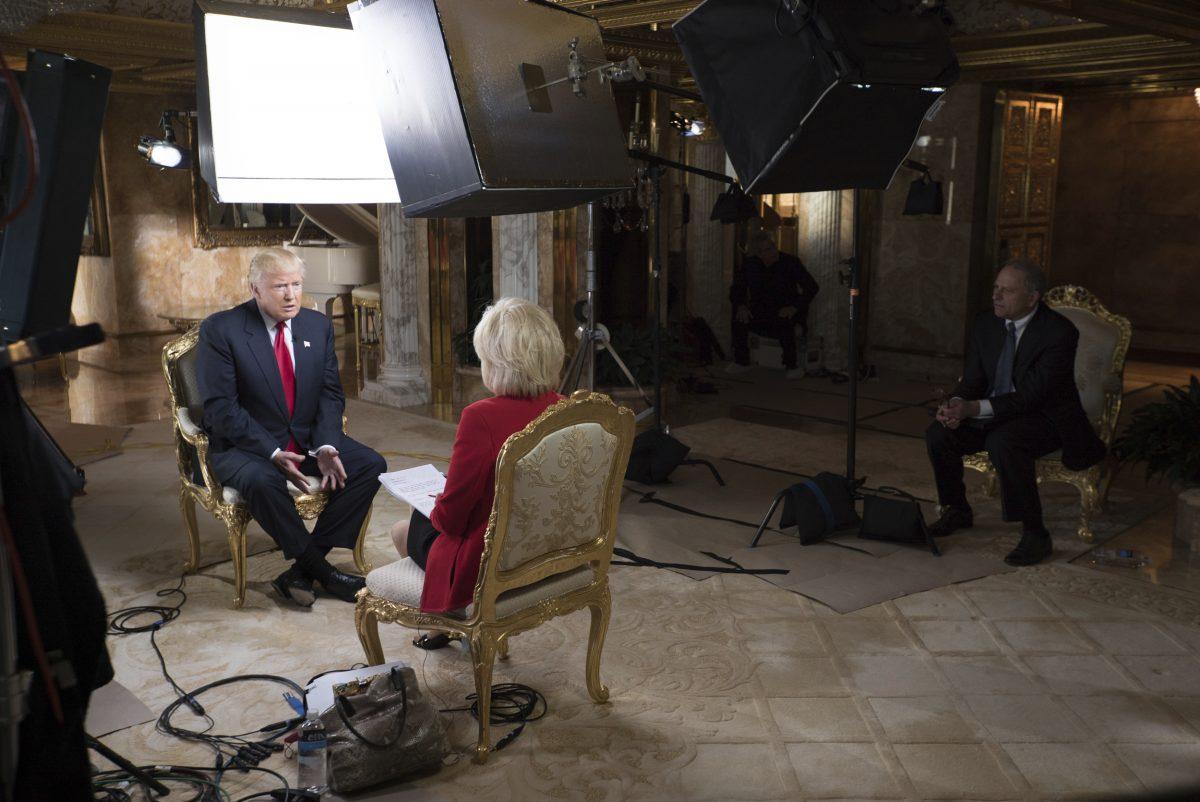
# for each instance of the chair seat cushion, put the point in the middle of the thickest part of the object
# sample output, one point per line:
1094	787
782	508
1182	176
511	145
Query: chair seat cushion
367	292
401	582
231	496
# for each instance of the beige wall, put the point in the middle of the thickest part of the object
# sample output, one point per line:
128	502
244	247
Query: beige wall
1127	220
154	267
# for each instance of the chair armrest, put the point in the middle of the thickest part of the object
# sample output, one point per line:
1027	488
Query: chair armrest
345	426
188	427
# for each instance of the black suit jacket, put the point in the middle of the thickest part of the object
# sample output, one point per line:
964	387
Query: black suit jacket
1044	378
766	290
245	413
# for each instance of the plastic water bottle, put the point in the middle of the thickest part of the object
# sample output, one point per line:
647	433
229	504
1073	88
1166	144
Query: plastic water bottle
1122	558
311	751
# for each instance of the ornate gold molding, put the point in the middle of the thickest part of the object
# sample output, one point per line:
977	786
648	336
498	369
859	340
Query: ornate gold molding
1175	19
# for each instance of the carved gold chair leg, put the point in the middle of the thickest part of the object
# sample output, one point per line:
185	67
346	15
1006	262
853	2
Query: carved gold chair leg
502	647
601	610
235	529
358	367
1089	505
360	560
366	623
483	655
187	507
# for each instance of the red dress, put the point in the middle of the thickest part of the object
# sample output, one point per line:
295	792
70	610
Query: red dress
461	512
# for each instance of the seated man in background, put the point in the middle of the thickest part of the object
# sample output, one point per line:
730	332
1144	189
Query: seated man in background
273	403
771	300
521	354
1018	401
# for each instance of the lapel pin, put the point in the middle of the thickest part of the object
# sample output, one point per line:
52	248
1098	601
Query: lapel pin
307	344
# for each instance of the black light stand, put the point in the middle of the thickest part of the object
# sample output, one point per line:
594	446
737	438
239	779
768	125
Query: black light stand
852	356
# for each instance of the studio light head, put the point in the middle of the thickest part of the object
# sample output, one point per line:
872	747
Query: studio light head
688	126
165	151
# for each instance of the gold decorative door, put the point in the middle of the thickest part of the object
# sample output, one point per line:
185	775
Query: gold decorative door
1030	132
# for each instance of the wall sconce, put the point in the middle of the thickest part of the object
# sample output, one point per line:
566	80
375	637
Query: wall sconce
688	126
165	152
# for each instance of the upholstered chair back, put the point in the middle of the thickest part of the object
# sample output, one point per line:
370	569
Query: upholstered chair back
558	493
1100	357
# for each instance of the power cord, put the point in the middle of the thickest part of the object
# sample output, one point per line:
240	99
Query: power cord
119	622
512	703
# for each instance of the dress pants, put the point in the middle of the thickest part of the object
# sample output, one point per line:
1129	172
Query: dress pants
1013	446
265	490
778	328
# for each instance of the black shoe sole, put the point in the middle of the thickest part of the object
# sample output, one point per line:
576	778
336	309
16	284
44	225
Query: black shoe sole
303	598
351	599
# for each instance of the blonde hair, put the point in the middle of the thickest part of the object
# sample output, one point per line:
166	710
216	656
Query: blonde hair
519	347
272	261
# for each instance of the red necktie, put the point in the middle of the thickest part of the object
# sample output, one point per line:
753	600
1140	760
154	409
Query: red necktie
288	374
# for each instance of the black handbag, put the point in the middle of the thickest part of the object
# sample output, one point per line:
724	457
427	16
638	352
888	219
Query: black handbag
895	516
818	507
655	454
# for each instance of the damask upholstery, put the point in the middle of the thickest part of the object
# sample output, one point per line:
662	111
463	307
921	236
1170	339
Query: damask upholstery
547	547
197	482
558	501
1099	374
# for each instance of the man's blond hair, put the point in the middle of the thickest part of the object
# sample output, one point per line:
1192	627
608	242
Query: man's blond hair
272	262
520	348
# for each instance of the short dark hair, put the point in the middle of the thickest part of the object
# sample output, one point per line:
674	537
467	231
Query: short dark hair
1035	277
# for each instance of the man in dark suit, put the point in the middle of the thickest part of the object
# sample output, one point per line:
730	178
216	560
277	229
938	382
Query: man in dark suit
1018	401
771	300
273	403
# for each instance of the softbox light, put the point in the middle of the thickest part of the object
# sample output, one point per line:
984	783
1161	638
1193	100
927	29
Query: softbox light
477	114
810	101
284	112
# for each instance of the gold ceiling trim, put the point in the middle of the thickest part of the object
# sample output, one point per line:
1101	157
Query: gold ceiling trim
1177	19
615	14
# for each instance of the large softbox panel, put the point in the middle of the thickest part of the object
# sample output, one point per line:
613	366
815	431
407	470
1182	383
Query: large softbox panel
476	113
39	250
809	102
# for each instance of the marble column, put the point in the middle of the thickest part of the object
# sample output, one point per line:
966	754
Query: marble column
824	221
710	249
403	278
523	256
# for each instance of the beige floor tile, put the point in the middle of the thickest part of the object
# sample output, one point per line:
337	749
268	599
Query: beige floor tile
1186	706
792	675
818	720
1009	604
922	719
1078	674
1068	769
841	770
775	635
961	637
986	675
1169	676
1081	609
941	603
1186	634
1131	718
954	771
1126	637
1022	719
866	636
732	771
1163	767
885	675
1041	636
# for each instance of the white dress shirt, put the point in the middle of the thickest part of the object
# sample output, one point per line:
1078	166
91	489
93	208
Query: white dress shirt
271	323
985	405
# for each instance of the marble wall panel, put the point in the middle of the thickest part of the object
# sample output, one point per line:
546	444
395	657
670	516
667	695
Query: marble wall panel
1127	220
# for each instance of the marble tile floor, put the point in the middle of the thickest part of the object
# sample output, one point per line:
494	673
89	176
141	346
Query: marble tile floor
1057	682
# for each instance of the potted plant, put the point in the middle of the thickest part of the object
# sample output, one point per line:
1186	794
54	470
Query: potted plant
1165	436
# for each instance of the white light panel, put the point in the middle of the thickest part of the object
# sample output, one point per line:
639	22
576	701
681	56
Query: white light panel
292	120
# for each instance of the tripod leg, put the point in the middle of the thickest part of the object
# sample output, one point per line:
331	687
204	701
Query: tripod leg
625	369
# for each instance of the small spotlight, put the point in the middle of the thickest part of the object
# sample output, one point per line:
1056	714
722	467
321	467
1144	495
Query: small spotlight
687	125
695	129
164	152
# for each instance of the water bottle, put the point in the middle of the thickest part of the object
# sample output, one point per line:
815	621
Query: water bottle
311	751
1122	558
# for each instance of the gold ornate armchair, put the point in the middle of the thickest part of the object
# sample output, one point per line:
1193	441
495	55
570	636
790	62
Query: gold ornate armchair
546	550
1099	373
198	484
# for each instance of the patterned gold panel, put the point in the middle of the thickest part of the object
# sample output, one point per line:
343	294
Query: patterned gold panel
1028	172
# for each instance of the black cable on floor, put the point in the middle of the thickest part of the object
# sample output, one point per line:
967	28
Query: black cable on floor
119	622
512	703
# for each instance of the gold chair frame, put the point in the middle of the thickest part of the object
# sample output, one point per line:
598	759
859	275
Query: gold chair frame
1092	483
366	310
211	495
486	634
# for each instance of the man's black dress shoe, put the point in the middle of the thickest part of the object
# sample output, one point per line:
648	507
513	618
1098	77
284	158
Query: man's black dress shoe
1034	547
343	586
295	586
953	519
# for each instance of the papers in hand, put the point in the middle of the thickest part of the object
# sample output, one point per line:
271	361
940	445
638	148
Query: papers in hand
418	486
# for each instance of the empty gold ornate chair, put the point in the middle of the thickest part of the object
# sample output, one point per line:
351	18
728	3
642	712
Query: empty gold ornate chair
1099	374
546	550
198	484
368	325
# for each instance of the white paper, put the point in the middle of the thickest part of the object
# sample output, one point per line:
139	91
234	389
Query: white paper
319	693
418	487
